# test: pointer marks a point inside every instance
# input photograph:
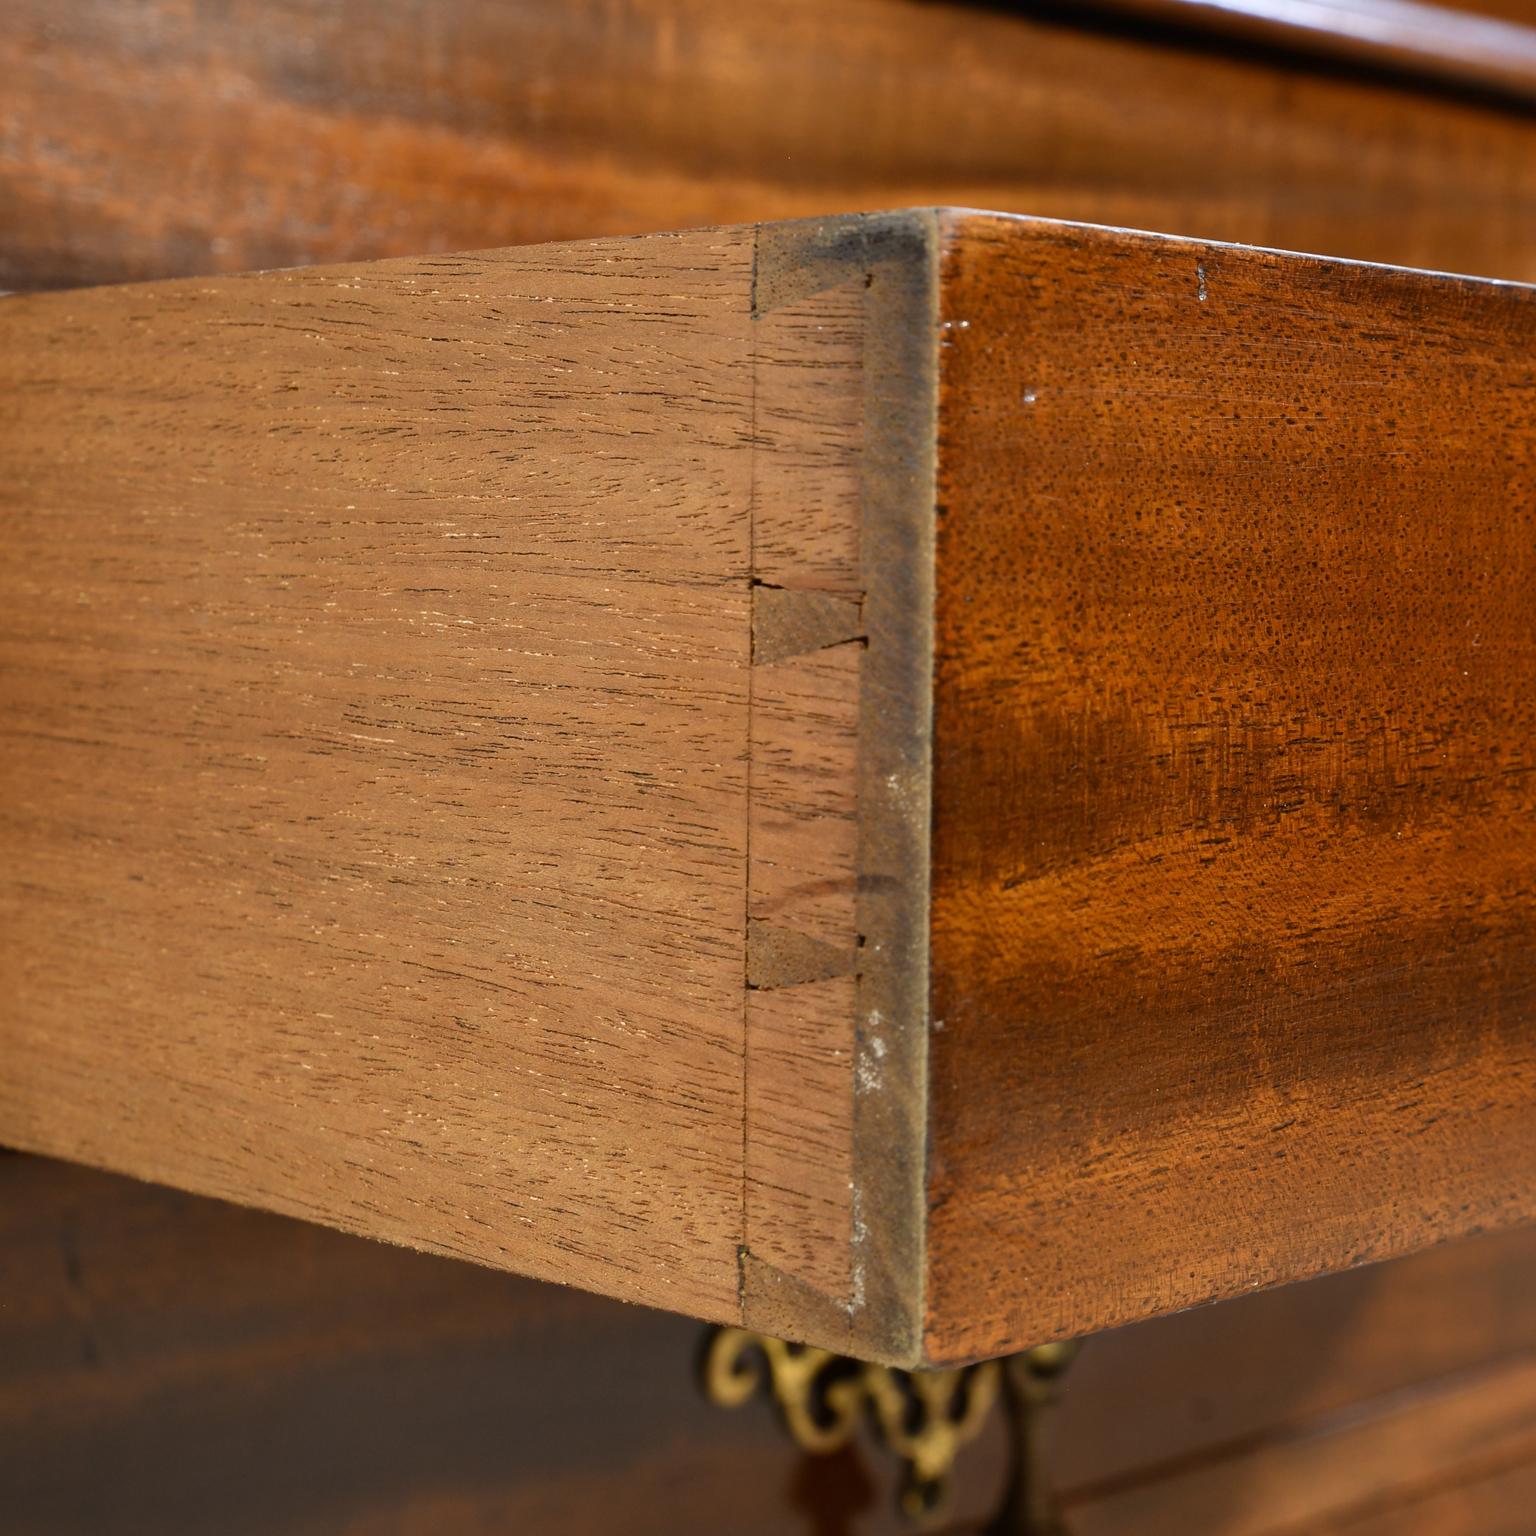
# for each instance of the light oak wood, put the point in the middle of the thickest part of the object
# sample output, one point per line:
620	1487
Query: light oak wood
926	782
398	831
375	785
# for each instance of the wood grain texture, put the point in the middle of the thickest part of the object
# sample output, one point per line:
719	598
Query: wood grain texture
156	139
1470	44
374	748
433	695
181	1366
839	764
1161	1398
1494	1502
1233	959
802	867
929	781
1324	1477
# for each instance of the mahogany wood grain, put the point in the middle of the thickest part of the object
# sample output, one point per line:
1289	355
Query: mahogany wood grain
178	1366
1328	1474
431	713
1470	44
926	781
802	841
181	1366
374	723
1217	1384
155	139
1521	11
1234	965
1491	1502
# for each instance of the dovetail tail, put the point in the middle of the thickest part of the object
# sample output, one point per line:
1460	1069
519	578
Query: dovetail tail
792	623
785	957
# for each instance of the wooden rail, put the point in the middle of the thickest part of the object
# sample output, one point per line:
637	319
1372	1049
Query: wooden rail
1435	42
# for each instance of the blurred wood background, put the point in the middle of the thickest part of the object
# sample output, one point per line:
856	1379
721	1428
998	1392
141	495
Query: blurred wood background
154	138
170	1364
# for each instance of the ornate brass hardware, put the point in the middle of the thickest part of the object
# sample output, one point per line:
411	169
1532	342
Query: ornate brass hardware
923	1417
1031	1385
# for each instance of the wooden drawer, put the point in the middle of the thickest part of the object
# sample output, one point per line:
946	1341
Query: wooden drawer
153	139
178	1366
928	781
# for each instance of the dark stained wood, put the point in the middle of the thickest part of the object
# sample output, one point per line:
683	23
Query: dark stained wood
157	139
1233	961
1471	44
928	782
1214	1384
181	1366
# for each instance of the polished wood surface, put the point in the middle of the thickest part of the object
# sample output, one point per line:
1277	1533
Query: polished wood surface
1471	44
181	1366
175	1365
1233	959
156	139
1479	1428
1497	1503
474	729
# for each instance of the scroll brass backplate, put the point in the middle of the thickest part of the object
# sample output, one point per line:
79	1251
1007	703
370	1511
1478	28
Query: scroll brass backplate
924	1418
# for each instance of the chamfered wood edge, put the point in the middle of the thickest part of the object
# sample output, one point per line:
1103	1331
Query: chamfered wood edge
896	255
